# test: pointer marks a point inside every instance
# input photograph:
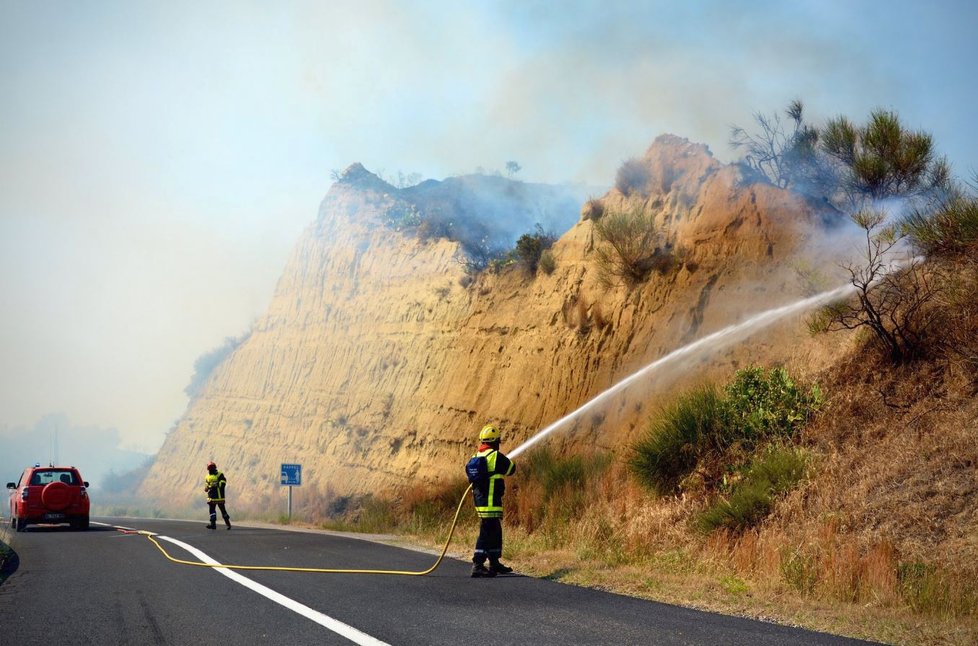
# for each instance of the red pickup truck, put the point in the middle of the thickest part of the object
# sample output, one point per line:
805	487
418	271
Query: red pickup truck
49	495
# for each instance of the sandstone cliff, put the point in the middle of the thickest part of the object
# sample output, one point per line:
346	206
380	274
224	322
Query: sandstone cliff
374	366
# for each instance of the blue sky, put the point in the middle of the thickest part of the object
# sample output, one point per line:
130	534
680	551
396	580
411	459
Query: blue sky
159	160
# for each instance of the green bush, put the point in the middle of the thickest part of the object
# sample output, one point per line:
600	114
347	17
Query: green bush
678	438
775	472
630	247
756	406
747	505
764	404
530	248
780	467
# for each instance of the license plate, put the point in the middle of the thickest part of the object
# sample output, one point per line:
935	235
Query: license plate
54	516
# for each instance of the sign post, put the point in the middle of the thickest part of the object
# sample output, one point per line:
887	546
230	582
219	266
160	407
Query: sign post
291	477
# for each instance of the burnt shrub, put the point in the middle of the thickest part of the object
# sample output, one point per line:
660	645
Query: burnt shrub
592	210
632	177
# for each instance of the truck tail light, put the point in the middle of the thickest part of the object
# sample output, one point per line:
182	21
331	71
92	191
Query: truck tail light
84	492
23	494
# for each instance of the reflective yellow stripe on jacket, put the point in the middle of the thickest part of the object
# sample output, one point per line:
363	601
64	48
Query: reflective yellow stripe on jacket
213	483
494	498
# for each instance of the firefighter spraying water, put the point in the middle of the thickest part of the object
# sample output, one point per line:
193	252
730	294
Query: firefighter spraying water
485	471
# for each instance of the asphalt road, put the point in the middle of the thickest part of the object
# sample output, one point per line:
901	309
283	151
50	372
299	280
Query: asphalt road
106	587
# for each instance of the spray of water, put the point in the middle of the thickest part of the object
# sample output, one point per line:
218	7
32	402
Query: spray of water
711	342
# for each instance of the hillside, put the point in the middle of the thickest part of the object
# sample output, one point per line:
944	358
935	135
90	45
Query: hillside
373	364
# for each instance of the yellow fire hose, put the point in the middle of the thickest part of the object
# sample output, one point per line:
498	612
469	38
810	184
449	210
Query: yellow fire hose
152	537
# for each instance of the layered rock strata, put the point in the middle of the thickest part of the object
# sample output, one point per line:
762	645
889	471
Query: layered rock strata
379	358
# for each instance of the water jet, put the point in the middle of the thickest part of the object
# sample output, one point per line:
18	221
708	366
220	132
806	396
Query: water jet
712	341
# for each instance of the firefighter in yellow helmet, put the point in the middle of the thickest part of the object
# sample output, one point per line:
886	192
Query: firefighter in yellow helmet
214	485
485	471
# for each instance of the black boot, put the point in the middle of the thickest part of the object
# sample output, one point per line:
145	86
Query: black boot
227	521
479	570
498	568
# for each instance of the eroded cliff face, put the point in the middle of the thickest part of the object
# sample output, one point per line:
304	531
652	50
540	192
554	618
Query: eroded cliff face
374	367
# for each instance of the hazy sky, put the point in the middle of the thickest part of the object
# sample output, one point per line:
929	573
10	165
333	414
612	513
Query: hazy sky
158	160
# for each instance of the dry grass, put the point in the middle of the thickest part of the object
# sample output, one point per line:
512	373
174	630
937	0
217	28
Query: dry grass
901	454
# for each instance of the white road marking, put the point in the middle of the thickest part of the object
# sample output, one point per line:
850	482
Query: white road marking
128	529
337	626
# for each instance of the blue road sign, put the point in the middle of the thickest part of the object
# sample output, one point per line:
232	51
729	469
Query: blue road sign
291	475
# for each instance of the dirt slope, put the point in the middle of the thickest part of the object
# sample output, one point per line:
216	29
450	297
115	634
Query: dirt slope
374	366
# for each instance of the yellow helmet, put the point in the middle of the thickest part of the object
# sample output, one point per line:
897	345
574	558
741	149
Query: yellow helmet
489	433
